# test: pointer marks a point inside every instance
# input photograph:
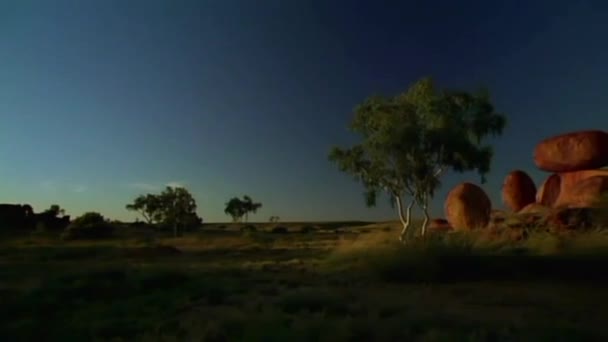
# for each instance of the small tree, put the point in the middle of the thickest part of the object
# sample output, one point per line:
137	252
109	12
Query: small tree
55	210
238	208
274	219
409	141
235	208
250	206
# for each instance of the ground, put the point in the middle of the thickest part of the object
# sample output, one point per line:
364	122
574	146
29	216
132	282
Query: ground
339	282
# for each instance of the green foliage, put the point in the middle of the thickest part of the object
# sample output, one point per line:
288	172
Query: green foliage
90	225
174	208
408	141
238	208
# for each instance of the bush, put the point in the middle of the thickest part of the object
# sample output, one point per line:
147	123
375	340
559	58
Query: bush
307	229
90	225
248	229
279	230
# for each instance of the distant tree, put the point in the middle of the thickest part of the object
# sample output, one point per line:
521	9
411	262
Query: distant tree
174	207
235	208
238	208
90	225
250	206
410	140
55	210
274	219
149	207
178	209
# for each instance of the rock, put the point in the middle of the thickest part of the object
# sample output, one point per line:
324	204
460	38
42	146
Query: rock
439	225
536	209
574	151
558	187
549	190
467	207
585	193
518	190
571	219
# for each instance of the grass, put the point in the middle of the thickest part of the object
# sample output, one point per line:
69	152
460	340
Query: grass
360	284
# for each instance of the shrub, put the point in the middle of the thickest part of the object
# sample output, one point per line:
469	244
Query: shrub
248	228
279	230
307	229
90	225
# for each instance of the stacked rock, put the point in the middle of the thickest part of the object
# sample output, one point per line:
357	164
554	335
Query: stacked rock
575	159
577	181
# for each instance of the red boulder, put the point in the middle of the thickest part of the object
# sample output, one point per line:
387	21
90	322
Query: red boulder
467	207
573	151
518	190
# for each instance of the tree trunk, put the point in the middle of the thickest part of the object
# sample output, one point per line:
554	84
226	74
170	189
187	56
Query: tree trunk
425	210
404	218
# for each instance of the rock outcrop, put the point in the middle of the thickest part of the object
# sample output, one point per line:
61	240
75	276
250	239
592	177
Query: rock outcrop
582	150
467	207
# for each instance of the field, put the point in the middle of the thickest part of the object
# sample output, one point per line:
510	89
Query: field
348	281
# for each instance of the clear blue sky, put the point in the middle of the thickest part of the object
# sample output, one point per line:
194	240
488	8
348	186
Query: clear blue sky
103	100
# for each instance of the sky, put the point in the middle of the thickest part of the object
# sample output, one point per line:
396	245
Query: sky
103	100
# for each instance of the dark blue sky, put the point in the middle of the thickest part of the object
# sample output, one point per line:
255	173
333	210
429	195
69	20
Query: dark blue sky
103	100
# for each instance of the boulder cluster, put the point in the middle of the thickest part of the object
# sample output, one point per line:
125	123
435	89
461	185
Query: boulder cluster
564	199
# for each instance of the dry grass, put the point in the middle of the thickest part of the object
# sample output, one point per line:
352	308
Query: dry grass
357	284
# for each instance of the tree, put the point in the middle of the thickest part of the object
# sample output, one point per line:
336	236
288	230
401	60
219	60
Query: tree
274	219
149	207
178	209
235	208
238	208
250	206
174	207
55	210
410	140
90	225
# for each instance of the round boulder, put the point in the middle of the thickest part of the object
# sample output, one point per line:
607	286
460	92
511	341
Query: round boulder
548	192
573	151
518	190
467	207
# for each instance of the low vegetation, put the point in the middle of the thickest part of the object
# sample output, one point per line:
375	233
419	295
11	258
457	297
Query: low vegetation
221	284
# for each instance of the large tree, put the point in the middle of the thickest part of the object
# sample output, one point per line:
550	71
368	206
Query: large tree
148	206
410	140
178	209
173	207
